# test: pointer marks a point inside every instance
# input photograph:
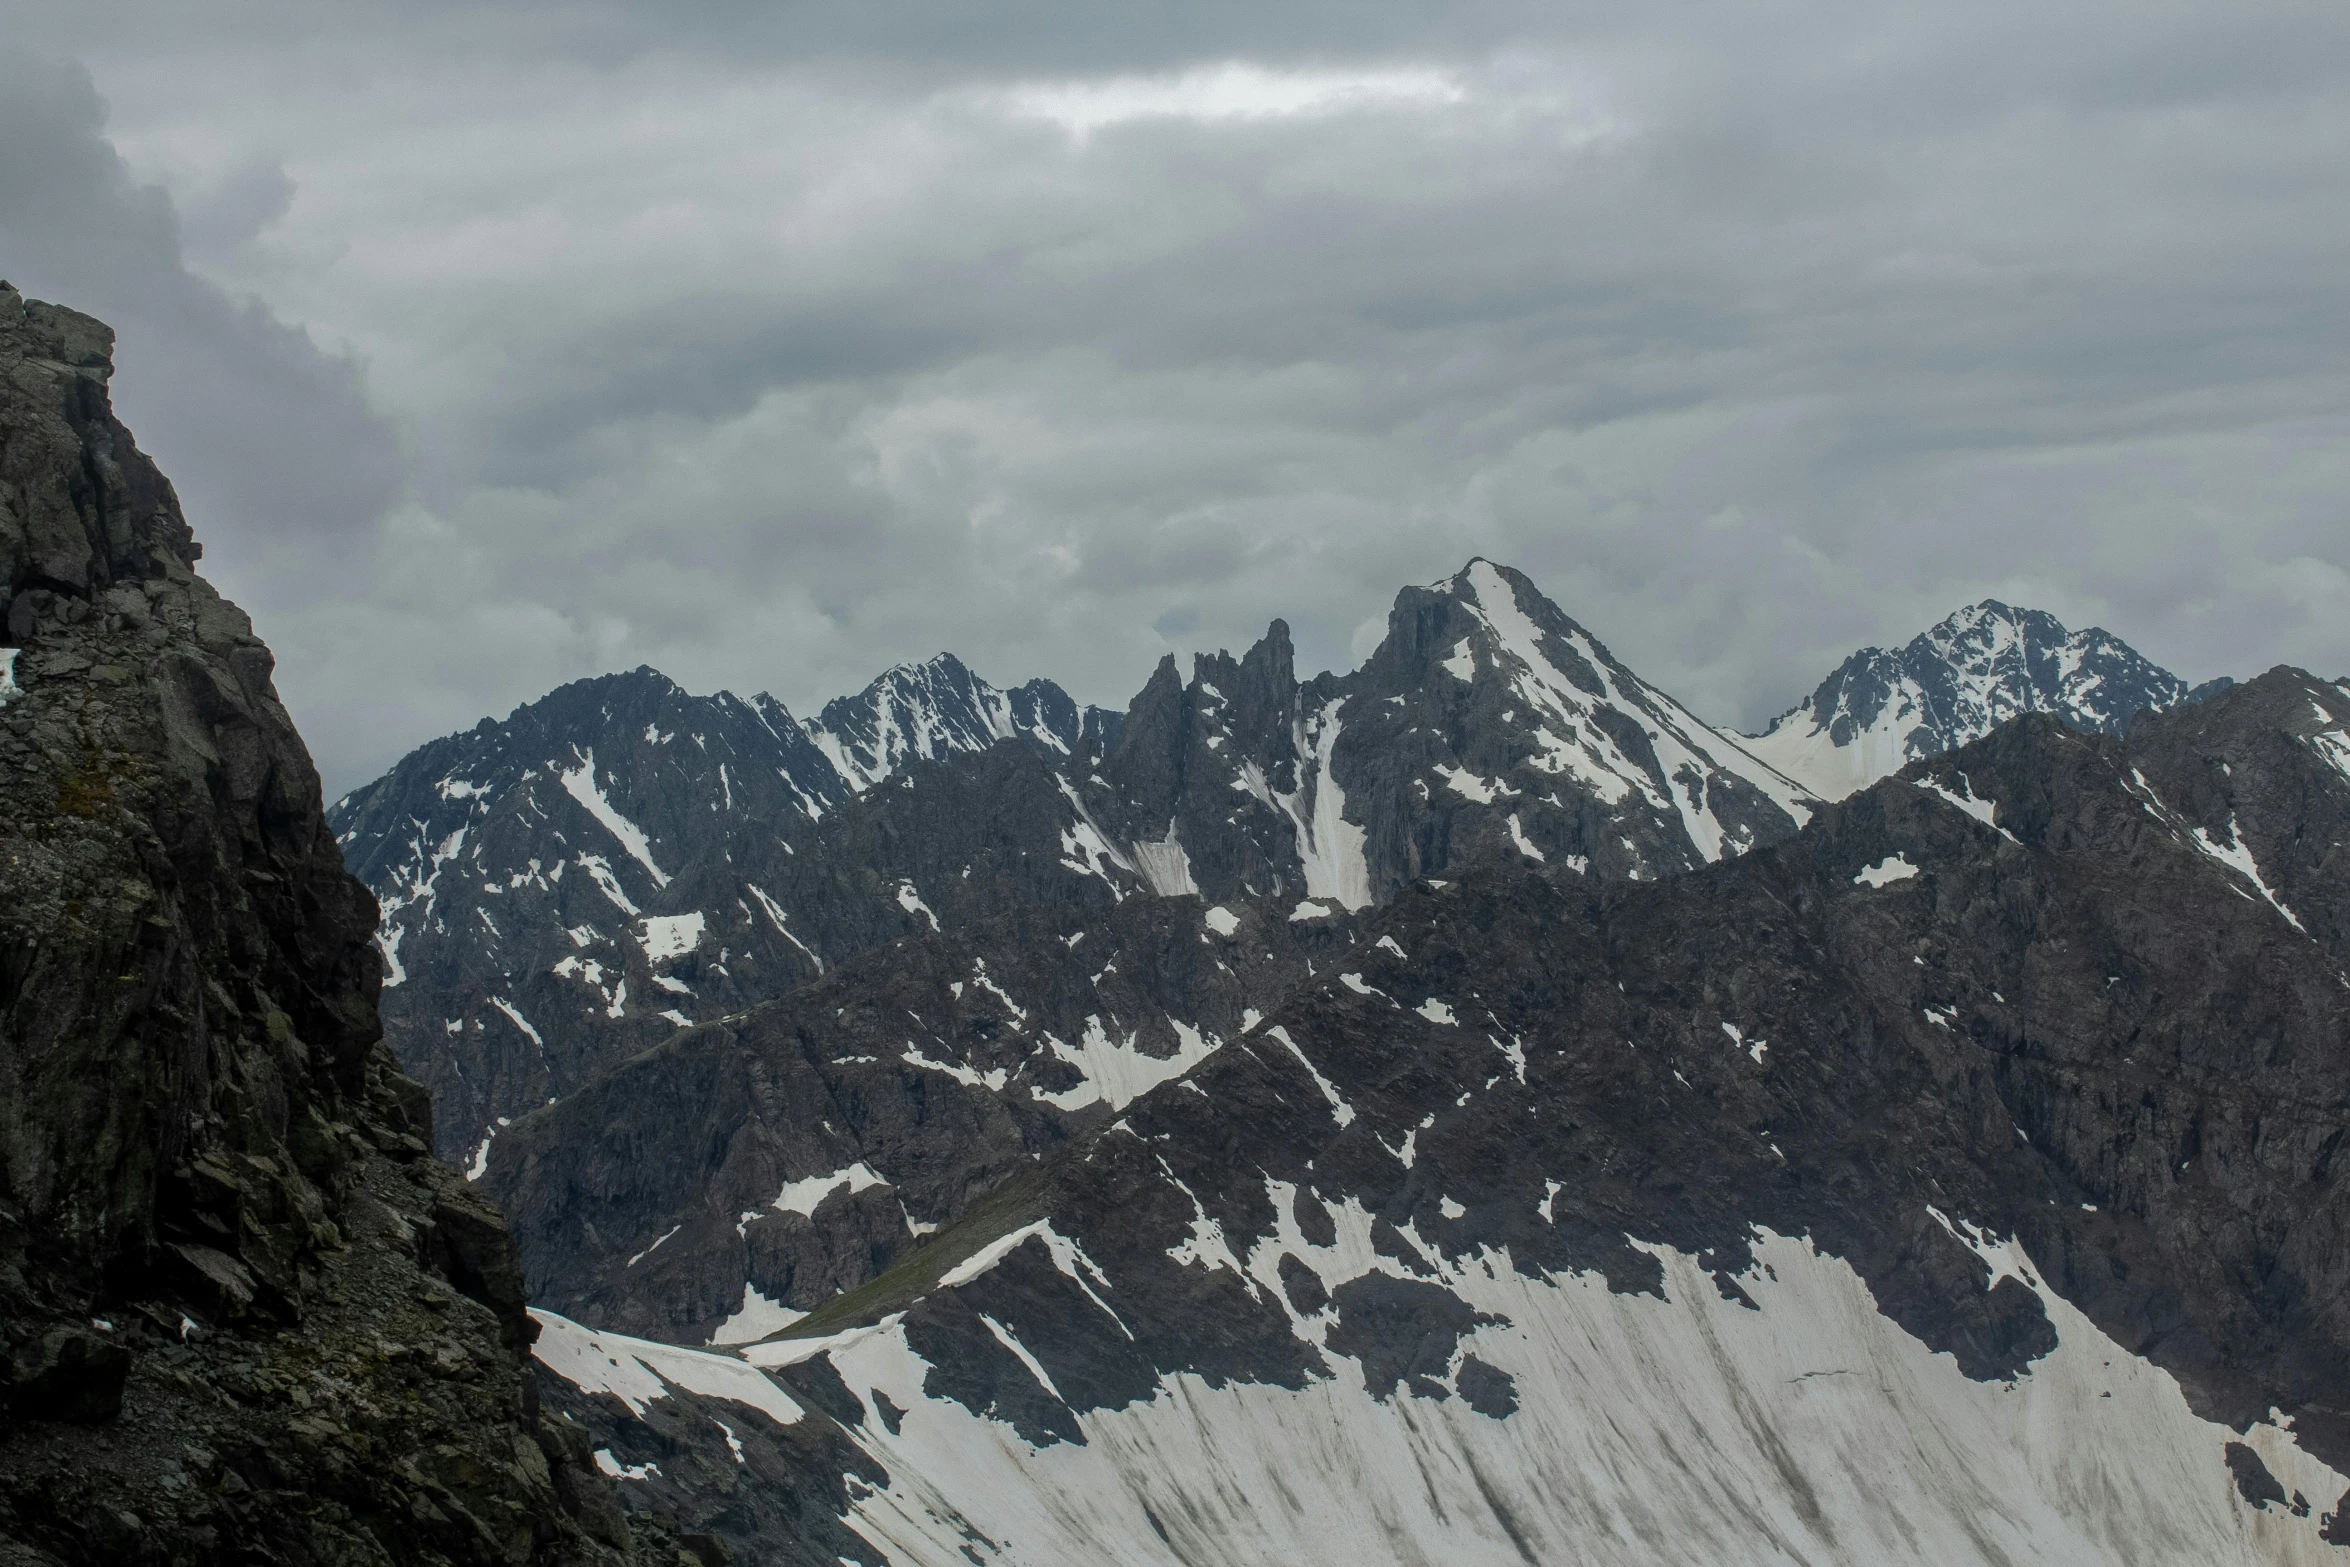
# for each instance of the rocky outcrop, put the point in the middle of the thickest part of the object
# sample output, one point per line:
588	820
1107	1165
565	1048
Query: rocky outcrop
243	1315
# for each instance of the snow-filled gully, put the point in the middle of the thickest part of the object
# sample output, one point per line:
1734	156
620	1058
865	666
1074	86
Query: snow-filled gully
1807	1428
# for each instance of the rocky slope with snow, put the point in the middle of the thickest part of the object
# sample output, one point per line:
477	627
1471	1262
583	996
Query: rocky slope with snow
574	884
1108	914
1952	1182
1955	682
621	859
243	1316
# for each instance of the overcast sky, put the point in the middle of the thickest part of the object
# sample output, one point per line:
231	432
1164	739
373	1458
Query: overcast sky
492	347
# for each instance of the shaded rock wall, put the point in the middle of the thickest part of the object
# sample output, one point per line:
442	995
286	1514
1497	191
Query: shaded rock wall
243	1316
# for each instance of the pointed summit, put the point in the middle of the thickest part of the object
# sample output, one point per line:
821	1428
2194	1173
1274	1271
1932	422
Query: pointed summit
1955	682
925	711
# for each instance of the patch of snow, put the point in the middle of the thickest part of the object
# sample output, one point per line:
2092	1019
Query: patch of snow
668	936
389	946
656	1246
2236	855
1222	920
1984	811
993	1081
775	918
608	884
1482	791
519	1021
1118	1072
806	1195
637	1371
1165	866
1340	1111
1885	872
1329	846
754	1320
911	902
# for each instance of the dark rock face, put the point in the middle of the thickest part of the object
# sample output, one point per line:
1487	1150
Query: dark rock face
1956	682
242	1316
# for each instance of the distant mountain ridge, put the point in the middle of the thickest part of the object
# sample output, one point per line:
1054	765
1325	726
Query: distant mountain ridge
710	869
622	859
1954	683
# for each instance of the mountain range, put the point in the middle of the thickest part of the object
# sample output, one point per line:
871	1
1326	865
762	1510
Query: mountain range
1465	1108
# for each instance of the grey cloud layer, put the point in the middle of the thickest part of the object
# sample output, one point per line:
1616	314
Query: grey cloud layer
1752	333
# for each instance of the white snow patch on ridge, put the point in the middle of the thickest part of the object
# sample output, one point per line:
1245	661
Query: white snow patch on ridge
1330	846
1118	1072
755	1319
636	1371
519	1021
911	902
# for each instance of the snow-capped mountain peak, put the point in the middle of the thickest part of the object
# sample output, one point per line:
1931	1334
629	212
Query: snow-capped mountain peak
925	711
1955	682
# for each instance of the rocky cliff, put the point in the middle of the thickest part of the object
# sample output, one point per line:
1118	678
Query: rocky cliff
243	1315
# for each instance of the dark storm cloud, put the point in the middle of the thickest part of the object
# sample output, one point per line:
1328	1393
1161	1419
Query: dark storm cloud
771	345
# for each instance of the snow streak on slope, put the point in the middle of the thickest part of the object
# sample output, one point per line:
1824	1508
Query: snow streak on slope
1329	846
1690	1428
1956	682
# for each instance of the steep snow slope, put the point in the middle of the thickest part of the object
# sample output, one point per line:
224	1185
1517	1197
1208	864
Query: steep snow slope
1953	683
1796	1424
